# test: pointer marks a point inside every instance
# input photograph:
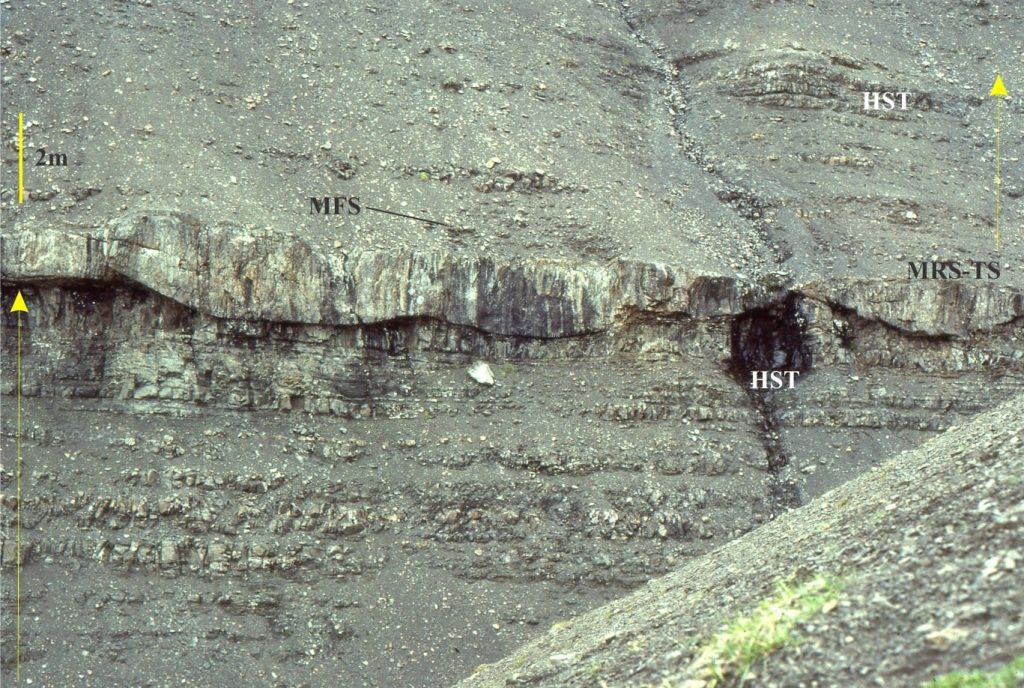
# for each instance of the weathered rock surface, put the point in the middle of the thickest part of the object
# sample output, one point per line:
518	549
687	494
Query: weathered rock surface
389	334
926	549
250	433
769	98
226	272
596	461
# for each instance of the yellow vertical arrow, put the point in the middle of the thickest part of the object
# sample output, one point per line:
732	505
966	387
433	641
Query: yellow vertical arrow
998	92
19	307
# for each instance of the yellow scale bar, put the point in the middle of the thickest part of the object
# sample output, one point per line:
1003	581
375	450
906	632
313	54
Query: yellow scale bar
21	157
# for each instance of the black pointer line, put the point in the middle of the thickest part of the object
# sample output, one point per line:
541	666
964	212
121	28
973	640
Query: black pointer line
411	217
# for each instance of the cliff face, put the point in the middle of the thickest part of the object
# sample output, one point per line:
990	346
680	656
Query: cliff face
163	309
299	458
629	209
229	273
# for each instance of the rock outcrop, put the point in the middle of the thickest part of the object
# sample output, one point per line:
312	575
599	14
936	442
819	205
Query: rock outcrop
932	530
227	272
391	444
162	309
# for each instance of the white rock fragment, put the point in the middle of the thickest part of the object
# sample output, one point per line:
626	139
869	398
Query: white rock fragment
481	372
168	552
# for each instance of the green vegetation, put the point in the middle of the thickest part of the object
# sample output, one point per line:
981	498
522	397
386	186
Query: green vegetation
424	176
727	657
1009	676
559	626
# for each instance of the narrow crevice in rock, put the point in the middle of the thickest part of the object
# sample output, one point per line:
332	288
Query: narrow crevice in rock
782	492
744	201
771	339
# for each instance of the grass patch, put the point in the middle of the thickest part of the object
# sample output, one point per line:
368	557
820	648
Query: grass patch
727	657
1009	676
560	626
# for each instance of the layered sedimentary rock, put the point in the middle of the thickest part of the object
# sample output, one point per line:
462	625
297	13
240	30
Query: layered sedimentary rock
162	309
935	526
229	273
251	426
